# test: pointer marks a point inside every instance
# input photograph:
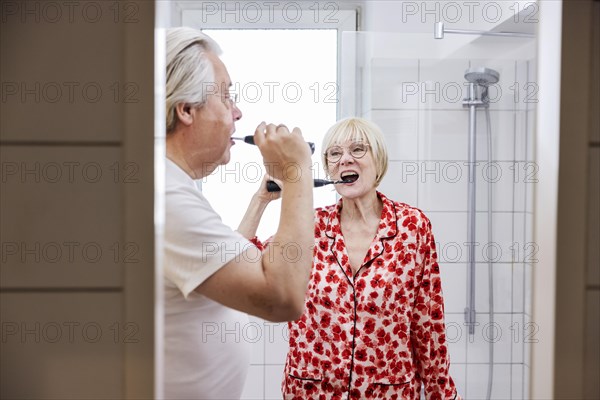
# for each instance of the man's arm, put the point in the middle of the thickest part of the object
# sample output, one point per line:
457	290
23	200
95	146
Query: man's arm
273	286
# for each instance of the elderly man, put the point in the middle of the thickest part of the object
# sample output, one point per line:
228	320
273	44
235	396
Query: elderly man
214	275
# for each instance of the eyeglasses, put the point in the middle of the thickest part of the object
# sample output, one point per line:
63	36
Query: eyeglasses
232	98
356	150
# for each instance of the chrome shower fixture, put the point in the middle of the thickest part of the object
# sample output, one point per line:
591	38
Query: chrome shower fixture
479	78
439	31
482	76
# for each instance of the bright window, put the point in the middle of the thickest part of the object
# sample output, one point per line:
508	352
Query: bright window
280	76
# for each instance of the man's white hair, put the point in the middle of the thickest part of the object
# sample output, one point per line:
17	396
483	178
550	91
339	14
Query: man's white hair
189	72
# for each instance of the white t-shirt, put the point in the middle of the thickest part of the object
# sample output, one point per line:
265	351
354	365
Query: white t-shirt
206	354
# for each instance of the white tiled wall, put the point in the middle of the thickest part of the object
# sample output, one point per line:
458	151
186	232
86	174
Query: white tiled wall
267	361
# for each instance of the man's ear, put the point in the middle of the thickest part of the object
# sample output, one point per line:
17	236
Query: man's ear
184	113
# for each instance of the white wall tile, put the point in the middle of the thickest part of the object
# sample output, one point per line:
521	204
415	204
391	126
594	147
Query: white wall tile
443	135
499	175
519	248
526	374
400	182
401	131
531	336
273	379
456	337
520	191
442	83
502	287
254	333
528	286
496	333
502	124
450	232
477	381
531	136
458	372
521	135
394	85
530	252
526	173
517	372
530	89
501	387
517	333
454	286
518	288
442	186
276	342
254	387
499	248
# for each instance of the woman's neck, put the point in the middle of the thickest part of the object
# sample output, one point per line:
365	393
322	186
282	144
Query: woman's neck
362	210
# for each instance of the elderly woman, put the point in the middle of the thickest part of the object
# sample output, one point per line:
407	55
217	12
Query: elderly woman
373	326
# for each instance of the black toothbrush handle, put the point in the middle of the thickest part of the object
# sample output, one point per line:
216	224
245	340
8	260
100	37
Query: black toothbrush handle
273	187
250	140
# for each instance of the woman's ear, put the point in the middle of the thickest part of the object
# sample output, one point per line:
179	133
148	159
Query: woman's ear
184	113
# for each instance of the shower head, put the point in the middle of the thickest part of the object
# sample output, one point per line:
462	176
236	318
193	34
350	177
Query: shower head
482	76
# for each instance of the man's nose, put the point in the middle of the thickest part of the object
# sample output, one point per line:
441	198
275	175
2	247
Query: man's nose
237	113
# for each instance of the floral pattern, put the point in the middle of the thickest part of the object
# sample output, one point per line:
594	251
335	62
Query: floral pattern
379	333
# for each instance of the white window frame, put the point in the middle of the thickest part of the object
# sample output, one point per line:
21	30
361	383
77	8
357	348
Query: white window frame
274	15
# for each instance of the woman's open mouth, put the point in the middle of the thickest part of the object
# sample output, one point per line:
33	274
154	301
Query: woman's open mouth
349	177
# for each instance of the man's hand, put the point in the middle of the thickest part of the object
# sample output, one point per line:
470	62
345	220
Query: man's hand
285	154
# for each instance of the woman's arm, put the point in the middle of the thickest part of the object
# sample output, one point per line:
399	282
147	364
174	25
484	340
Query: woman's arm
259	202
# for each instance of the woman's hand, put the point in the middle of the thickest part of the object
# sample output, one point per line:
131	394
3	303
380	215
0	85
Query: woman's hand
263	195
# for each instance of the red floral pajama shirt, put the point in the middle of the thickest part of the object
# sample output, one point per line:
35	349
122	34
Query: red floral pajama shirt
377	334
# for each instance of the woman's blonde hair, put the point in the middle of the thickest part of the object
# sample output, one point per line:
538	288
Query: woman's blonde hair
358	129
189	72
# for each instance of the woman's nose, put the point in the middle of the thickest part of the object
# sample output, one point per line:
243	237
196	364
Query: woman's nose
346	157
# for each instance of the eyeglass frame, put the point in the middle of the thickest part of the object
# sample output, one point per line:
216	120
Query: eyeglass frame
344	148
231	98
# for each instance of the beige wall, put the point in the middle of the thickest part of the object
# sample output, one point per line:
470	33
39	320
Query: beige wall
76	219
577	364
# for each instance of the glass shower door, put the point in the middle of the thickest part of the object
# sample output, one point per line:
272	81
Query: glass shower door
413	87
